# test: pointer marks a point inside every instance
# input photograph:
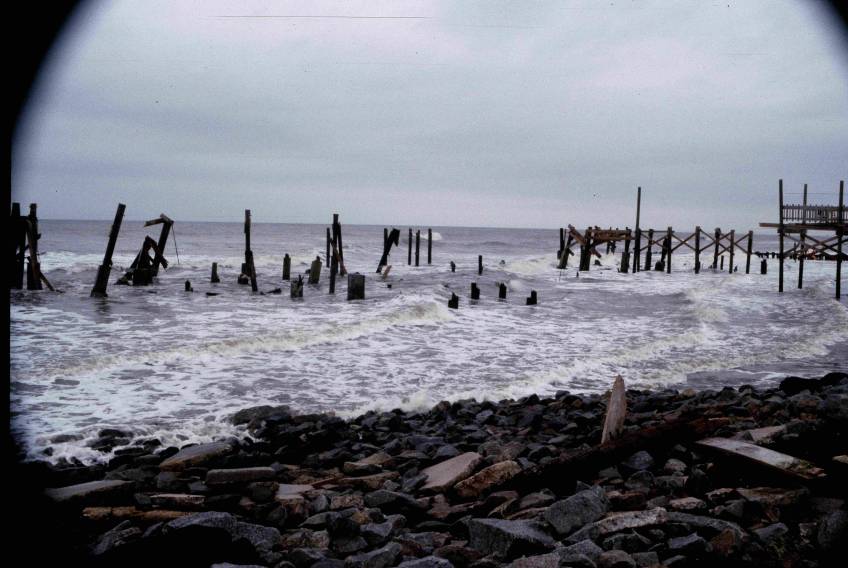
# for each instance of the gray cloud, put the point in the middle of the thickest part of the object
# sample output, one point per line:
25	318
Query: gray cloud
493	113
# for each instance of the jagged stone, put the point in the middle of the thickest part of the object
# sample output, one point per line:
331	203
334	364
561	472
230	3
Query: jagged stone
93	492
575	511
507	539
380	558
486	478
195	455
444	475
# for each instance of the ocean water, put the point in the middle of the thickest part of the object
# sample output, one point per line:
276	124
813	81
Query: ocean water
159	361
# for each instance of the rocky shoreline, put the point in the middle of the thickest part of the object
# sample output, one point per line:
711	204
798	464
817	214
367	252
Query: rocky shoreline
469	484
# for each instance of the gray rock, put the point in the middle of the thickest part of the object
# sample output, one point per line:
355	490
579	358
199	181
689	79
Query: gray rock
645	559
349	545
118	536
615	559
446	452
239	475
427	562
93	492
771	533
639	461
690	545
393	502
380	558
305	557
640	480
579	509
833	531
507	539
195	456
628	542
577	561
550	560
448	473
585	547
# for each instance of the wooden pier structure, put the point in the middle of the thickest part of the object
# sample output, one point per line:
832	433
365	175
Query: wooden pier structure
804	218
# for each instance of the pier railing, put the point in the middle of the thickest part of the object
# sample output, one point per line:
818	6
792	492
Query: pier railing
811	214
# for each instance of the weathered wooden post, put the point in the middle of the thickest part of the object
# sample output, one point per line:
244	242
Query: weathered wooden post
417	245
669	248
429	246
717	239
648	251
502	291
561	242
453	303
355	286
840	233
315	271
249	268
780	233
566	252
479	264
475	291
802	249
214	278
748	254
698	250
18	224
453	266
385	236
625	257
329	240
532	299
287	267
297	287
339	245
103	271
188	287
158	258
763	266
334	267
637	250
732	249
409	257
722	263
34	268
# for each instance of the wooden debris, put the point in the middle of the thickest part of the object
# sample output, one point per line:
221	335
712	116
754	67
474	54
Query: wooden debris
392	238
616	411
297	287
453	302
356	286
763	456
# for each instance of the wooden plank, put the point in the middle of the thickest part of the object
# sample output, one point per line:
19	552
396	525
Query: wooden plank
616	411
763	457
105	268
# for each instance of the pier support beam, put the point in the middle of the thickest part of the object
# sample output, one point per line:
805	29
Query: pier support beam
99	289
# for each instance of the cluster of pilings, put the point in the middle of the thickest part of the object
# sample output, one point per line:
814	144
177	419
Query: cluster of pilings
24	236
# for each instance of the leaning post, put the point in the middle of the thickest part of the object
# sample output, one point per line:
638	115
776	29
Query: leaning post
103	271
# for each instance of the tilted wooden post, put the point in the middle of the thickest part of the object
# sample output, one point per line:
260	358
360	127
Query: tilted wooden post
616	411
392	239
158	259
429	246
103	271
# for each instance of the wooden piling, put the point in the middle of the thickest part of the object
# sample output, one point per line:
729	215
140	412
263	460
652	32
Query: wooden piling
475	291
248	252
103	271
214	279
669	247
763	266
801	248
409	257
385	236
732	250
159	258
417	245
334	267
648	251
780	233
532	300
188	287
34	267
315	271
355	286
339	245
453	266
479	264
329	240
625	257
393	238
748	252
561	241
502	291
697	250
840	233
722	263
287	267
717	239
453	303
637	249
429	246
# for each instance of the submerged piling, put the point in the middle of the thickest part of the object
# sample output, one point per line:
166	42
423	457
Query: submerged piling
453	302
502	291
214	279
286	267
105	268
532	300
475	291
355	286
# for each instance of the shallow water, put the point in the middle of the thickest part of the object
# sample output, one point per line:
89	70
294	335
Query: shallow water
162	362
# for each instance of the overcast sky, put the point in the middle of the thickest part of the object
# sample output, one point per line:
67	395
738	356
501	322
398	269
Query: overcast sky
515	114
